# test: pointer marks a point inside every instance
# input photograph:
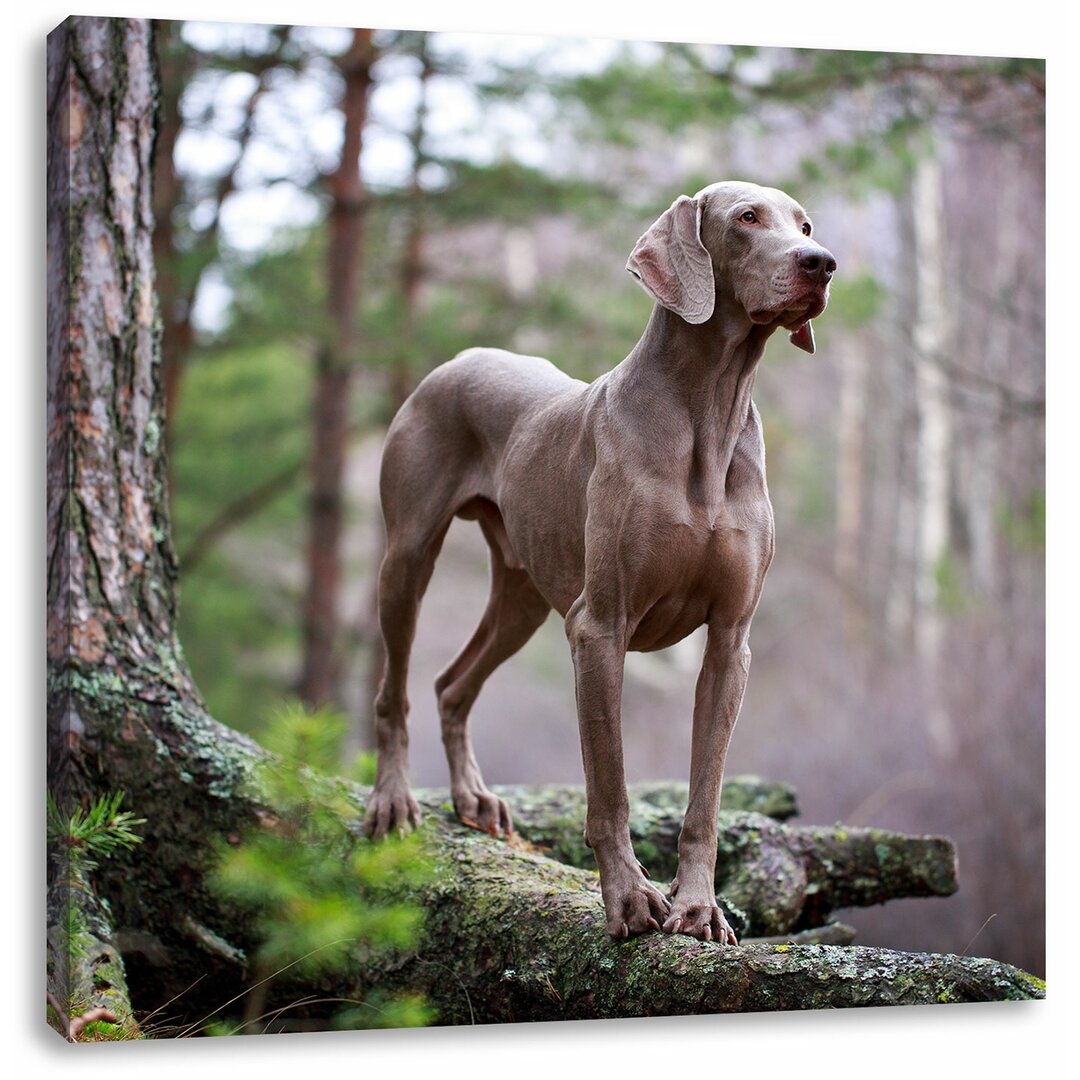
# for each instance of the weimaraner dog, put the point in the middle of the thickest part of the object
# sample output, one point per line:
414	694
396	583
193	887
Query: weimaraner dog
635	506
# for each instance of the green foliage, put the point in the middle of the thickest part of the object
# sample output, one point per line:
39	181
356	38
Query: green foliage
382	1011
635	94
1024	525
85	836
364	767
951	596
878	157
239	625
303	737
315	893
279	296
518	192
856	301
243	420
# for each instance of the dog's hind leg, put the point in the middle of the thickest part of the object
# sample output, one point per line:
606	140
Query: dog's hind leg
514	612
403	578
418	506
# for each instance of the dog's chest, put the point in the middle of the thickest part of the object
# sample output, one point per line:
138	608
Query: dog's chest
697	563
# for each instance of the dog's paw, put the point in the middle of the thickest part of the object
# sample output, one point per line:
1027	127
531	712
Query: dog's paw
634	909
391	809
704	921
481	809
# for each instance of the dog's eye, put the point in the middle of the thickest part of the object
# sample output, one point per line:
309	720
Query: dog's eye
806	228
748	215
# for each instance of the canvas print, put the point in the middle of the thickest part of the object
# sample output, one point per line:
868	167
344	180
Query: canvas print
539	529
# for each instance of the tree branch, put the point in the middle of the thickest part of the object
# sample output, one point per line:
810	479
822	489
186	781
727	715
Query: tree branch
236	513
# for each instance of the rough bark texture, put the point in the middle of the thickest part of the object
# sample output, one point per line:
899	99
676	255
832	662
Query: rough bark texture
510	934
110	606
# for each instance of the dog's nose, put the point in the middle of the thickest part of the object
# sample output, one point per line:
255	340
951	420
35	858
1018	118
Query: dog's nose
816	263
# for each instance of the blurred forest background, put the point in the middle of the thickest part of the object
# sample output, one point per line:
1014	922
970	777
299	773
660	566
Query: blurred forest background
338	211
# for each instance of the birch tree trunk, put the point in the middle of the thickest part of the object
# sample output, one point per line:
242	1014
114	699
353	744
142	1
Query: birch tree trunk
851	467
930	338
980	503
895	499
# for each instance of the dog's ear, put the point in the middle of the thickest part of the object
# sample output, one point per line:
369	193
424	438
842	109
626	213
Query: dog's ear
803	337
672	265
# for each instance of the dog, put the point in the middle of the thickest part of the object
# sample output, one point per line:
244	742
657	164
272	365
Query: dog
636	506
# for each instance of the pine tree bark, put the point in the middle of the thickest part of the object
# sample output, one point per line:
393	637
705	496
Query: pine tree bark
111	573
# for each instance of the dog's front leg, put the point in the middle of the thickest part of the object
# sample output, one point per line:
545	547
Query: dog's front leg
631	904
719	694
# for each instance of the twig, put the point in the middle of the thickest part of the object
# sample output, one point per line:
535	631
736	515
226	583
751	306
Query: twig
977	933
269	978
464	988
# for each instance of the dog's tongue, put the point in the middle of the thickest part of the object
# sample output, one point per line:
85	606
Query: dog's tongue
803	337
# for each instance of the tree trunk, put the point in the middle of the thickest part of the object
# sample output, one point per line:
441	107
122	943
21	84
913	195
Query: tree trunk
180	267
175	64
401	377
510	934
333	380
850	486
930	336
111	572
981	494
896	496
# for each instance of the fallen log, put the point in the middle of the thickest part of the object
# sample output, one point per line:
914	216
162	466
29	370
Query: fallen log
513	935
780	877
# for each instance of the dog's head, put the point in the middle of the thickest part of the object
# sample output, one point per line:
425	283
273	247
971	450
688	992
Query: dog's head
744	242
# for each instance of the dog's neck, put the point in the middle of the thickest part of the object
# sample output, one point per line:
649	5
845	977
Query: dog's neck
705	373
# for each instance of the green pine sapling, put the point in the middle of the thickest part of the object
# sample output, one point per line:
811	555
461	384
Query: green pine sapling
317	894
78	841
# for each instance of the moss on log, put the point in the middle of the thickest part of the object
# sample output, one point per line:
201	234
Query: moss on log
513	935
84	970
780	877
